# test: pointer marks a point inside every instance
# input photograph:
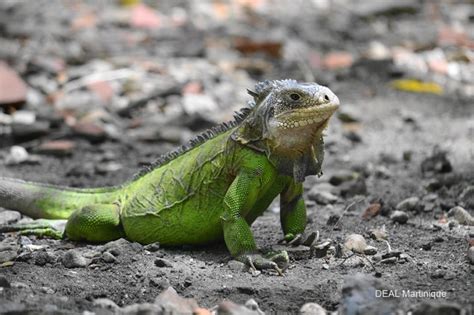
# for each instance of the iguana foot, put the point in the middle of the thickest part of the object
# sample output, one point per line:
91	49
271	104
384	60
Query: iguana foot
41	228
274	260
301	239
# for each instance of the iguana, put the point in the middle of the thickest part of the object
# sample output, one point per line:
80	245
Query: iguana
211	189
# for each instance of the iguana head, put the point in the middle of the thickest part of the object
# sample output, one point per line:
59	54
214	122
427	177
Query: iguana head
286	121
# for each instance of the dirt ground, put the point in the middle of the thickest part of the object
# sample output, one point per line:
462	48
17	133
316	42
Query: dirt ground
392	145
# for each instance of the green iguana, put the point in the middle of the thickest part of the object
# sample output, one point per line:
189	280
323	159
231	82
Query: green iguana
210	189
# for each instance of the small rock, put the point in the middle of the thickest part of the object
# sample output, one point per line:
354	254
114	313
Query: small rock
163	263
13	89
153	247
333	220
47	290
354	188
90	131
56	147
353	136
370	250
461	215
108	167
8	252
356	243
437	162
105	303
17	155
382	172
433	308
108	257
24	117
31	131
236	265
73	259
4	283
470	255
409	204
378	234
8	216
399	217
230	308
144	308
121	246
338	60
252	305
161	283
438	274
322	197
390	260
427	246
312	309
342	176
467	197
171	303
42	258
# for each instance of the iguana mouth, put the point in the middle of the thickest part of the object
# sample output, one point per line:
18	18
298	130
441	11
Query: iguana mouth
301	117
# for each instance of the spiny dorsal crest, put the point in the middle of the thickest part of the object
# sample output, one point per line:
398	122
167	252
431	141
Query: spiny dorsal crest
262	89
239	116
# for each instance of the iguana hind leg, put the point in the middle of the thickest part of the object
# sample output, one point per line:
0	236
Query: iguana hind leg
95	223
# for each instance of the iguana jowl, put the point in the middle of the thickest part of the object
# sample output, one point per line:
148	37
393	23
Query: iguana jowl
213	188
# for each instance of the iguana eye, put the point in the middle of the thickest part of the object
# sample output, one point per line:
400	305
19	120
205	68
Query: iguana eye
295	96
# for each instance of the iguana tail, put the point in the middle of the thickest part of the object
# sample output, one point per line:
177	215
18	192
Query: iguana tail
48	201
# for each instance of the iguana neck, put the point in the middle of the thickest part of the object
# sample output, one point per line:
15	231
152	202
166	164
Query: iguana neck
295	164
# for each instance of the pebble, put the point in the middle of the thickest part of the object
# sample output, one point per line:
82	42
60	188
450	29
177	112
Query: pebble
171	303
108	257
342	176
409	204
236	265
8	252
73	259
437	162
8	216
399	217
4	283
356	243
17	155
349	114
30	131
390	260
354	188
230	308
470	255
42	258
461	216
56	147
144	308
312	309
322	197
13	89
105	303
370	250
163	263
153	247
252	305
378	234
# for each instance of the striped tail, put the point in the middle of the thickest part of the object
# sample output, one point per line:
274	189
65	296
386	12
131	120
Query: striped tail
48	201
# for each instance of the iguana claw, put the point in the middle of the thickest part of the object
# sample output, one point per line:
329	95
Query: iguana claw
300	239
277	261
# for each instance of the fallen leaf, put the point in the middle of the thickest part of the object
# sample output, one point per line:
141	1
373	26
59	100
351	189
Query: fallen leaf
338	60
248	46
416	86
372	211
142	16
12	87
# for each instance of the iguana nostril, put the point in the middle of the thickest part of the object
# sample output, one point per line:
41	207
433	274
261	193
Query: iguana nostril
326	97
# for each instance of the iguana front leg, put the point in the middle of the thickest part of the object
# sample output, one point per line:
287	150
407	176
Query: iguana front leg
239	199
293	215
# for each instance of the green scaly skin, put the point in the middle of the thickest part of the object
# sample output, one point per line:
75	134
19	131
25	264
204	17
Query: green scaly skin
213	189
